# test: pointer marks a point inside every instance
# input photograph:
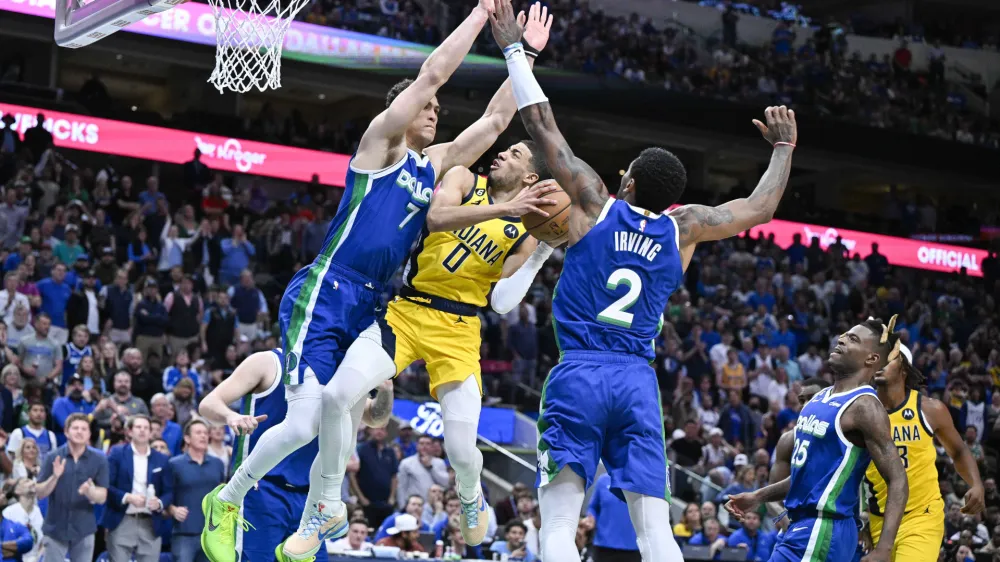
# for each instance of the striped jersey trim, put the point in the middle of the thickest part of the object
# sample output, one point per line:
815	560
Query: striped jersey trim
302	310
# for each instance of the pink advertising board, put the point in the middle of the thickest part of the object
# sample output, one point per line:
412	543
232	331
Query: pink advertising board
81	132
904	252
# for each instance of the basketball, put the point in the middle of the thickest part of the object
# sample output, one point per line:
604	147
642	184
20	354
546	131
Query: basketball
554	228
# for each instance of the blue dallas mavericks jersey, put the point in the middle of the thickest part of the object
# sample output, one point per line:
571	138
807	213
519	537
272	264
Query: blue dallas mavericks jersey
616	282
827	469
380	216
293	470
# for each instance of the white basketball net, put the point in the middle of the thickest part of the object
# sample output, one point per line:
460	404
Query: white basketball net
249	36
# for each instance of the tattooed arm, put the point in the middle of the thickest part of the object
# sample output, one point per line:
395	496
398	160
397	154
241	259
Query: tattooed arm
865	420
699	223
379	409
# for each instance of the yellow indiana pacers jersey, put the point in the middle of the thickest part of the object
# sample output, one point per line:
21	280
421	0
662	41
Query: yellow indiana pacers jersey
462	265
915	442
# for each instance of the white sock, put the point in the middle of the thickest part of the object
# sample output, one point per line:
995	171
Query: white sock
365	366
460	407
560	502
649	517
279	441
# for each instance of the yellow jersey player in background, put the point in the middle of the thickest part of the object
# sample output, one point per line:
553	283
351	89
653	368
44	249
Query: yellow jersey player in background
916	420
473	243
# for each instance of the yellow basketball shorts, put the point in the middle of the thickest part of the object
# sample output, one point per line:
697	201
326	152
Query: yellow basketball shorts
448	343
920	534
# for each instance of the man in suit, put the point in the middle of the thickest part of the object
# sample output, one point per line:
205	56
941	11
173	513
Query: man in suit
134	516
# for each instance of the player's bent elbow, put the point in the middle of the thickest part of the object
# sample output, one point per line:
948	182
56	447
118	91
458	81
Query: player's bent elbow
430	76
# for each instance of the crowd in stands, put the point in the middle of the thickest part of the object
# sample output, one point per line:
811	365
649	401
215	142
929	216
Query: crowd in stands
124	302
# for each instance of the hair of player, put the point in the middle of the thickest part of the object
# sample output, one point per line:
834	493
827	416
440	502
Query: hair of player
815	381
887	343
913	377
660	179
538	164
396	90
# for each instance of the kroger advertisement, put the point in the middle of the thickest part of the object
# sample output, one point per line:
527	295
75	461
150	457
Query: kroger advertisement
918	254
194	23
81	132
495	424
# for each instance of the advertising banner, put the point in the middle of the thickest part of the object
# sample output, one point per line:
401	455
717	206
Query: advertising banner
495	424
81	132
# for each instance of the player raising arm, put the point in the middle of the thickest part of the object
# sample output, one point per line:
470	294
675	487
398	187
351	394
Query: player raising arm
696	223
916	420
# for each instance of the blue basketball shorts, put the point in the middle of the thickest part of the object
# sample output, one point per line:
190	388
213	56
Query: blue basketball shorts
817	539
324	309
274	514
604	406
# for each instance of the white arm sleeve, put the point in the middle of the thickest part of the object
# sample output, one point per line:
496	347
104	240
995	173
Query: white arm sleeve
509	292
527	91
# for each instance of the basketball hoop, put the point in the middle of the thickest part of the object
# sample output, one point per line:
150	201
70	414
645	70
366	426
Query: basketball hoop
249	37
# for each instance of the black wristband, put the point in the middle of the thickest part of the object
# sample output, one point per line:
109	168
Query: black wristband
529	50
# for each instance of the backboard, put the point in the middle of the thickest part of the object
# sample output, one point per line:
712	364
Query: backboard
80	23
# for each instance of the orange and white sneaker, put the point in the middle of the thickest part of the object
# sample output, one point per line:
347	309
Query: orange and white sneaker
318	524
475	519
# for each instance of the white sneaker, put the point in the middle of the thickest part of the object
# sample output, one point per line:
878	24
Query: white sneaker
475	519
318	525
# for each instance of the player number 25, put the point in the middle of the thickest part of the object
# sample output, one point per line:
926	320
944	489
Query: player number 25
800	450
616	313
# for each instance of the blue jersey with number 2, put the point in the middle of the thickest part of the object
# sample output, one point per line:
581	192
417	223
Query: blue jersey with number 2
616	282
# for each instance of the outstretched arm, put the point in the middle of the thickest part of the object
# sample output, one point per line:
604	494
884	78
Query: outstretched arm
940	420
699	223
384	142
577	179
471	143
249	377
866	417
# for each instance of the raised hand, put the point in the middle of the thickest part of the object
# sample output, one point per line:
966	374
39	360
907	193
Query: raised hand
85	487
531	199
780	126
506	29
536	25
58	466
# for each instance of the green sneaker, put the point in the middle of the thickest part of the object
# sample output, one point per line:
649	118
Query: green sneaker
280	556
218	538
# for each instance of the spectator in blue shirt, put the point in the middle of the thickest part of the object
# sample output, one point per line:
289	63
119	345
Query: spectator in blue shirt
407	445
762	296
783	336
375	481
14	532
149	199
415	507
140	255
710	537
757	543
181	369
513	544
195	474
236	255
76	401
55	293
614	536
15	259
163	411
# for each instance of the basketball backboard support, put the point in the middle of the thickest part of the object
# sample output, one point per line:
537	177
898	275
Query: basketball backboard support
79	24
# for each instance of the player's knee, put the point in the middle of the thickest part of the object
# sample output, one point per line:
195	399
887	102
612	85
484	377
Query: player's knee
558	536
301	431
339	396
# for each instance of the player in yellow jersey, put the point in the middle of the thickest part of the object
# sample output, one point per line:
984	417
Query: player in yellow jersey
474	249
916	420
